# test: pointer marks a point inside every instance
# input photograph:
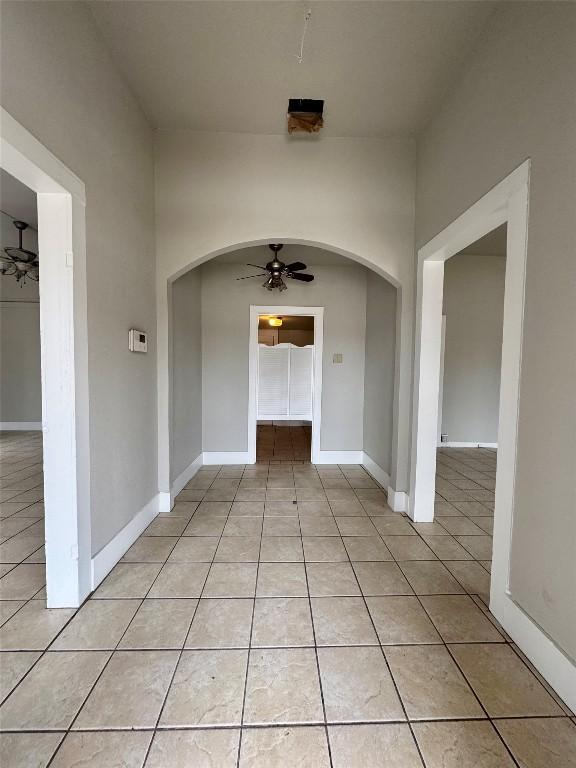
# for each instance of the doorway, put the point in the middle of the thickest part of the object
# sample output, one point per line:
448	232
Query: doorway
285	374
64	361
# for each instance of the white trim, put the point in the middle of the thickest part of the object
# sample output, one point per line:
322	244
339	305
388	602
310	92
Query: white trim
549	660
379	474
441	380
186	475
457	444
318	314
397	500
339	457
109	555
507	203
64	359
20	426
226	457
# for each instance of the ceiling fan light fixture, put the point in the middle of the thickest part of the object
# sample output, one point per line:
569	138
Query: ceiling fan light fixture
275	322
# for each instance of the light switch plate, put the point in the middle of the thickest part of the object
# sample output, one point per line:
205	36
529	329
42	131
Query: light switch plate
137	341
337	357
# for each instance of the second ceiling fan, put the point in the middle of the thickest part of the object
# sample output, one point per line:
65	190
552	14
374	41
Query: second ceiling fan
276	271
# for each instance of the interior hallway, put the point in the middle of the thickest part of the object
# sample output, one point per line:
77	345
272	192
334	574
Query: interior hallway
280	595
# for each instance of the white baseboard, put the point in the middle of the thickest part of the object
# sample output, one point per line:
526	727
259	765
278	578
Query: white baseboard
549	660
187	475
397	500
226	457
339	457
20	426
106	559
467	445
379	474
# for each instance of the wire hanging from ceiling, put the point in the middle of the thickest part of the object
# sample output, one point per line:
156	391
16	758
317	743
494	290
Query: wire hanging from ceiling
300	54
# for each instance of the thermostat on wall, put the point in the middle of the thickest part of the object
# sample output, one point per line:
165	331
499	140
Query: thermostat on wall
137	341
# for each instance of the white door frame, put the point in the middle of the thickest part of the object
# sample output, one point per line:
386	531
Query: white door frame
64	353
318	314
506	203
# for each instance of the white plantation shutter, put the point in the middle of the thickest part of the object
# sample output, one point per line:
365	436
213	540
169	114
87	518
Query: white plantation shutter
273	366
300	390
285	382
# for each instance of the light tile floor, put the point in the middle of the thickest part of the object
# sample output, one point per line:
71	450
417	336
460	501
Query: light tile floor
280	615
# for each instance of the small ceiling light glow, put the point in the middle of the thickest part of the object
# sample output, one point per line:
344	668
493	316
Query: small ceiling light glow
275	322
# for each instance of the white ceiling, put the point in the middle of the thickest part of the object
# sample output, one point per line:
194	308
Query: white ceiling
220	65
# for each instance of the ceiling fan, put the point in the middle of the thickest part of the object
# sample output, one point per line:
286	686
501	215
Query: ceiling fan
275	271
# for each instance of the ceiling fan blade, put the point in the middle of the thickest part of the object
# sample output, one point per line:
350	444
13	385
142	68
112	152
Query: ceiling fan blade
295	267
260	274
303	278
256	266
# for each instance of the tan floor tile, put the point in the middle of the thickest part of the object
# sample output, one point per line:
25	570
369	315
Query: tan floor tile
194	749
268	748
447	548
243	526
314	509
52	693
478	546
399	620
502	682
393	526
281	549
194	549
180	580
430	684
166	526
128	580
13	666
280	494
250	494
281	526
342	621
366	548
324	549
102	750
22	582
247	509
238	549
460	526
205	526
409	548
207	690
357	685
430	578
19	547
214	509
27	750
330	579
459	620
98	625
381	578
540	742
312	493
221	623
182	509
471	575
319	526
282	580
461	745
355	526
283	687
282	621
130	692
350	507
280	508
150	549
33	627
231	580
8	608
363	746
159	624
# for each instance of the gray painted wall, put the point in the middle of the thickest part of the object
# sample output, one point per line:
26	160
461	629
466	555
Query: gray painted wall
186	430
59	82
225	336
379	370
20	383
473	305
516	101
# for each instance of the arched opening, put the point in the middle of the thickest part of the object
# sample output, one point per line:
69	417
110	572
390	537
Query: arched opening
208	361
